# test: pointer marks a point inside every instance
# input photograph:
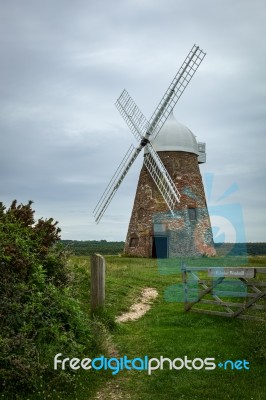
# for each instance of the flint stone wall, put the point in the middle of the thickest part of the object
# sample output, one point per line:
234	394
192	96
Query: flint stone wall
188	235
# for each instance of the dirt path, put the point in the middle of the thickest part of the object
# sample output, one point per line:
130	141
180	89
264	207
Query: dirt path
138	309
112	389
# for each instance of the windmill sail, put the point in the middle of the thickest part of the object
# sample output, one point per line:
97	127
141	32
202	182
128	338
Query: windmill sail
161	178
115	182
134	118
176	89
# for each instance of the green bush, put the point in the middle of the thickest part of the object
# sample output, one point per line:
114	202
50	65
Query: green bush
38	316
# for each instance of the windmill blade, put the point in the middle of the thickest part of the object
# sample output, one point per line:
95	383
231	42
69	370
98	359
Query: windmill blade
134	118
116	181
161	178
175	90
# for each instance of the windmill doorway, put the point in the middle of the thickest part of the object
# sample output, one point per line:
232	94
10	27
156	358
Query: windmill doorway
159	247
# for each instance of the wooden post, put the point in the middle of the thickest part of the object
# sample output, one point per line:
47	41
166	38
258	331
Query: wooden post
97	283
184	279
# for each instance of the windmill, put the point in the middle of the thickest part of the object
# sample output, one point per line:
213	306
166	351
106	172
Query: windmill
157	223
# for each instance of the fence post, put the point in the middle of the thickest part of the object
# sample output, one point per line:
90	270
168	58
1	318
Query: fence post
97	283
184	279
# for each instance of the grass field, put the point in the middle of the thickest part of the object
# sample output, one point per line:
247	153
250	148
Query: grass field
165	331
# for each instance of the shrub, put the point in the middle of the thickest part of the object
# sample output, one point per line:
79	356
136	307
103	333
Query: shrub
38	317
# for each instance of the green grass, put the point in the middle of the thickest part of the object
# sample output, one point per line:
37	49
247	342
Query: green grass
165	331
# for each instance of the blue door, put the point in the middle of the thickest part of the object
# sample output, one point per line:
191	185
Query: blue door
160	247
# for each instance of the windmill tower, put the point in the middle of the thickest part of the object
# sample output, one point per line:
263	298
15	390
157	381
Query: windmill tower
153	231
169	217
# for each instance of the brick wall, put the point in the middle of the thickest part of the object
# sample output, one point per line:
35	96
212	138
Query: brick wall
189	232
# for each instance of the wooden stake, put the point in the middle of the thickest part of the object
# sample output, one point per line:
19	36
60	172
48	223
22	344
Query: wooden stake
97	283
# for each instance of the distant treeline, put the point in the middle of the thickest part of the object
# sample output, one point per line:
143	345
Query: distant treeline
88	247
238	249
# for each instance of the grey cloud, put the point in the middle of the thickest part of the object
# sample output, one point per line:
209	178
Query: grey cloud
63	65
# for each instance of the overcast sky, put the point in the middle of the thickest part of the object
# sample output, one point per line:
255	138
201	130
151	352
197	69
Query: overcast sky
63	65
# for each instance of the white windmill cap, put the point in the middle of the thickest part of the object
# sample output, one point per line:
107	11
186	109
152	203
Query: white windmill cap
175	137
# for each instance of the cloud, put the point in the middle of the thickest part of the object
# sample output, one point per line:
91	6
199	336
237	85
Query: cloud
63	65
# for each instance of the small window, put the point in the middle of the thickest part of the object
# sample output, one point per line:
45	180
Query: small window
133	241
159	228
192	214
141	213
148	191
201	147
